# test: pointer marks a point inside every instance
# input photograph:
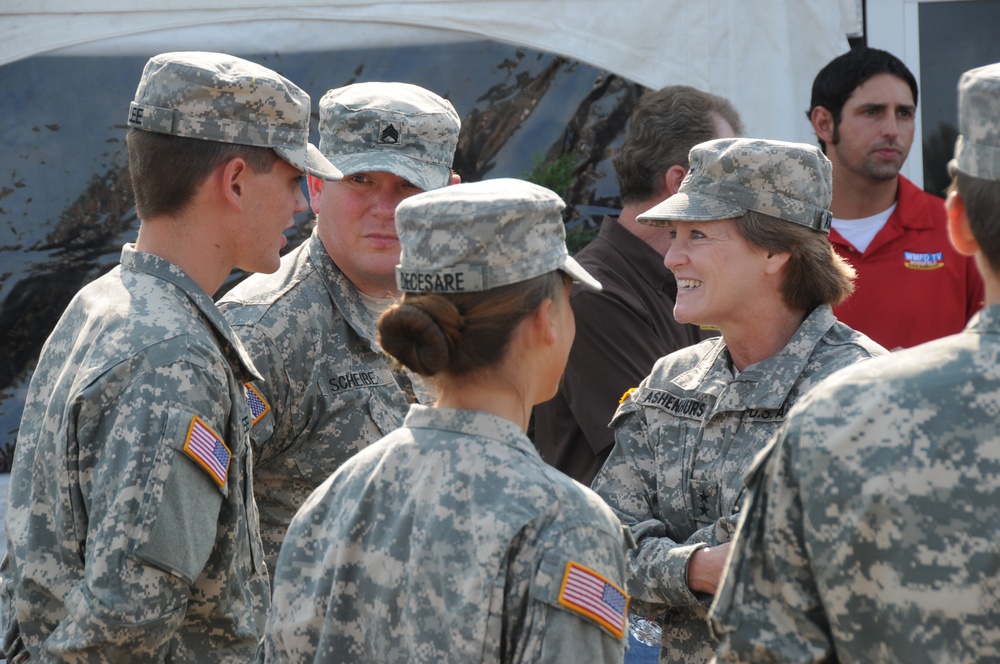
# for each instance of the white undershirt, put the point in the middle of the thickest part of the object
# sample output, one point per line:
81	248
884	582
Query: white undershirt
376	305
860	232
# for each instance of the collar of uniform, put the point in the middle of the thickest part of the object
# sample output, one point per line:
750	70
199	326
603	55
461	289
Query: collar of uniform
986	320
471	423
345	296
767	383
161	268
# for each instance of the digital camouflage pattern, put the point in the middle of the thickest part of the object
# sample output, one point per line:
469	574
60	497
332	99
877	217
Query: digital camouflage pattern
218	97
395	128
331	390
871	529
871	533
977	151
728	176
447	541
473	237
122	548
684	441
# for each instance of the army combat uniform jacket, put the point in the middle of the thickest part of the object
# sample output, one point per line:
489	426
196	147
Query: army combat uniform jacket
328	390
684	440
132	528
872	527
450	541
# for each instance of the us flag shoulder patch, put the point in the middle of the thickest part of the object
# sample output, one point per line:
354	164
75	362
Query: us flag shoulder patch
259	407
586	592
206	448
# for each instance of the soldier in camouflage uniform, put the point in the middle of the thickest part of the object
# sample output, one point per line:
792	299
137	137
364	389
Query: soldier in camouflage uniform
450	539
872	525
328	390
751	257
133	534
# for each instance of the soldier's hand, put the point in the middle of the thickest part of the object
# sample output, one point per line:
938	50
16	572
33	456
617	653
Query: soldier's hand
705	568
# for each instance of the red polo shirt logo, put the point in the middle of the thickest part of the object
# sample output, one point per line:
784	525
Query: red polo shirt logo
918	261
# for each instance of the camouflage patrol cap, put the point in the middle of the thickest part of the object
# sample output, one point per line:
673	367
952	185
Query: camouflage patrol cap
477	236
977	151
729	176
396	128
218	97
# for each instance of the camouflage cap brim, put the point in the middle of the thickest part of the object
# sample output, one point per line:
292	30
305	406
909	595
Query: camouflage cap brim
424	175
578	274
690	207
310	160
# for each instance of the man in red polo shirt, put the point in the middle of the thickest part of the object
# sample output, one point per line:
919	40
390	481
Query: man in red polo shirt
912	286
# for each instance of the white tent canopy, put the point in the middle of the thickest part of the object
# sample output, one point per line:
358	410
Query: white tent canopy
762	55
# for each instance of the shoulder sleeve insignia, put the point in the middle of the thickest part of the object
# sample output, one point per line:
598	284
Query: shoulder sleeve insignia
207	450
586	592
627	394
259	407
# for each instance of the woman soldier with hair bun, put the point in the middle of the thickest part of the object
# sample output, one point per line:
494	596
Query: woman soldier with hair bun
450	539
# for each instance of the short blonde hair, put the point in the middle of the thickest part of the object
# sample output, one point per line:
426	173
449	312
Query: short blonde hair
815	273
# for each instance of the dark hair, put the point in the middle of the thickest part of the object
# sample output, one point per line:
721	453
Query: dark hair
981	197
461	333
837	81
815	273
165	170
665	126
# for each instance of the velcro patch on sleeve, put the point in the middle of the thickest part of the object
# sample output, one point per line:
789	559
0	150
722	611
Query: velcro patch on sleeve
259	407
586	592
627	394
206	448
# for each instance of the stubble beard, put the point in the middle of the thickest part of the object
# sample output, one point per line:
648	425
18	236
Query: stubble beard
880	170
873	167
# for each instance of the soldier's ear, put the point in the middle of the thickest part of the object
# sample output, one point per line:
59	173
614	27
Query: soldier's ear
543	322
233	180
959	231
315	186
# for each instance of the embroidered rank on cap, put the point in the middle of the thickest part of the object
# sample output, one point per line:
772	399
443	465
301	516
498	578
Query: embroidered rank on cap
586	592
388	133
259	407
207	449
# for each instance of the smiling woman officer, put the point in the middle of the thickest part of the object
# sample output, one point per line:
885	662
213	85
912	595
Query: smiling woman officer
751	257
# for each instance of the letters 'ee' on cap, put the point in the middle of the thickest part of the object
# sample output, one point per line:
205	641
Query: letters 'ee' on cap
730	176
395	128
977	150
219	97
477	236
